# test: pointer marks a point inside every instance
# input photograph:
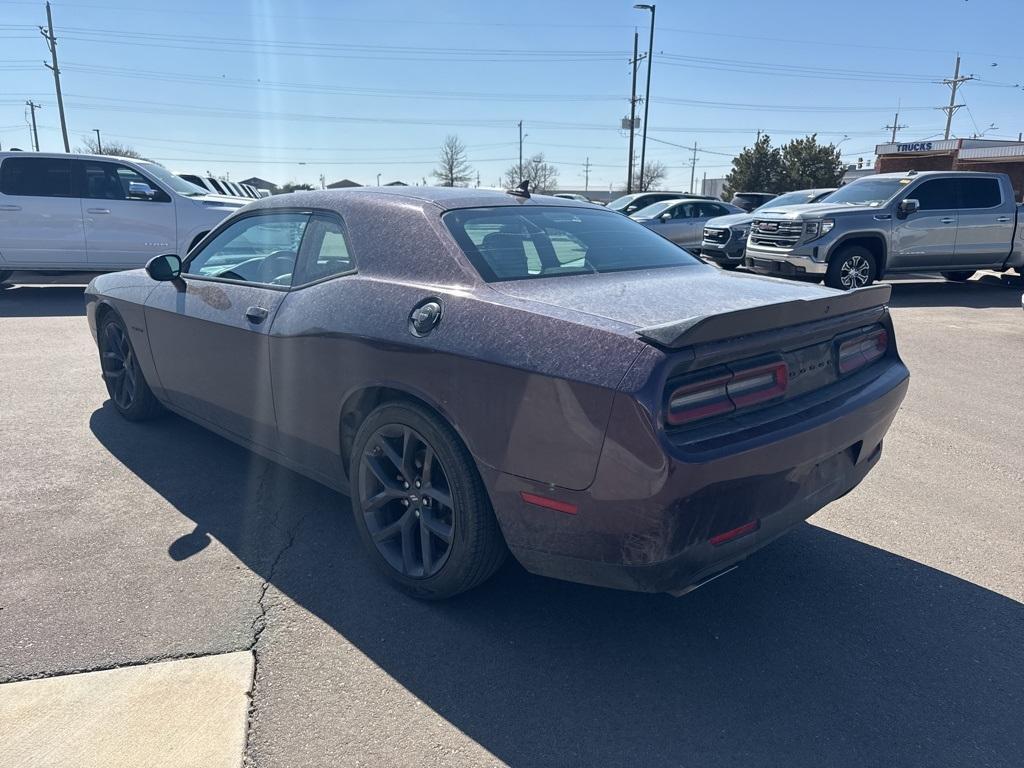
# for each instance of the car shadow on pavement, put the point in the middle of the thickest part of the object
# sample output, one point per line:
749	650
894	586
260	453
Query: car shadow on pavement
819	650
42	301
990	291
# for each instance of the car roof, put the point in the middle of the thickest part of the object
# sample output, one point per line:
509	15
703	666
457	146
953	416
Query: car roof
73	156
444	198
923	174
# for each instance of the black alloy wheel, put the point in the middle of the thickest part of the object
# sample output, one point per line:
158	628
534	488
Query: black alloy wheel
406	501
120	370
419	503
126	385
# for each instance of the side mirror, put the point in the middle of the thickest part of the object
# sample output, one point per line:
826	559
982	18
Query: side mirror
139	190
164	268
907	207
665	216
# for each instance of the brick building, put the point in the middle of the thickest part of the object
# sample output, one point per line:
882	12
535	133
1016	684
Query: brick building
956	155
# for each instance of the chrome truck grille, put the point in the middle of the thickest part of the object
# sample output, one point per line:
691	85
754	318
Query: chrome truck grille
774	233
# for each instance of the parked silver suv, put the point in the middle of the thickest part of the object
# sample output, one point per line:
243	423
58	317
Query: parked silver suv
953	222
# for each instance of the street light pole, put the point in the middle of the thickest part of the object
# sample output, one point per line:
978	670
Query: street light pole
632	112
647	91
99	144
520	151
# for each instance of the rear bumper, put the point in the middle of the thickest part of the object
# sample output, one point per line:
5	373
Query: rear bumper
647	521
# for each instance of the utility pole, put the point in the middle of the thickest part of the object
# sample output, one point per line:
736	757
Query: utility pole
51	43
520	151
632	112
896	126
99	144
953	84
586	176
693	166
35	132
647	91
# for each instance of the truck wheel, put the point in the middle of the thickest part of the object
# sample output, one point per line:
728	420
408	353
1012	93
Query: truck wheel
4	275
959	277
853	267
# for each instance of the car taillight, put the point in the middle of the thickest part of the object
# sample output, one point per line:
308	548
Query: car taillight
726	390
863	349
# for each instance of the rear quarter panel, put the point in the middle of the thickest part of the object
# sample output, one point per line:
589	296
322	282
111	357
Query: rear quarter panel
529	393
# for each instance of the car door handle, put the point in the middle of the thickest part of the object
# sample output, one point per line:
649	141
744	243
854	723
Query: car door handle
97	210
256	315
947	220
1003	219
10	207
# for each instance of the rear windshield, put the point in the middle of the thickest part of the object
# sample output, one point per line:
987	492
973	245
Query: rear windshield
518	243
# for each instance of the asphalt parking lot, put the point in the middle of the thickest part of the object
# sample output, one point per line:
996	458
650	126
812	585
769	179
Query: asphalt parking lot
886	631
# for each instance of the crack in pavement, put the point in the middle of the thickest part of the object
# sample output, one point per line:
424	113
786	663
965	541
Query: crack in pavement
156	659
260	622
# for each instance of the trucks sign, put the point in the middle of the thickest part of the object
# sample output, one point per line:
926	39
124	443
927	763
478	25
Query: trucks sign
915	146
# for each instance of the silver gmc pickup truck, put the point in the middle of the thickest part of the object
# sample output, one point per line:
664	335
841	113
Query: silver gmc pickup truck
953	222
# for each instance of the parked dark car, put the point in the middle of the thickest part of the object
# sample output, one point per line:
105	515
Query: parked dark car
485	372
748	201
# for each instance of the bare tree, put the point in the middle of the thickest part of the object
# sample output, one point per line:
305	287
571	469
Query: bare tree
453	169
543	176
653	174
91	147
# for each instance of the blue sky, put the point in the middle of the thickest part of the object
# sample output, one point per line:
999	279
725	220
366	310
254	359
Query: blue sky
290	91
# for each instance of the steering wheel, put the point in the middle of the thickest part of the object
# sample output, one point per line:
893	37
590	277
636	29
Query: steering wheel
275	265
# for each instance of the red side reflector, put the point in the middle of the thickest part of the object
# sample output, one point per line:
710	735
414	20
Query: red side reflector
735	533
542	501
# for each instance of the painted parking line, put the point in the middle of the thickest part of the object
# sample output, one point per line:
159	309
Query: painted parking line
188	712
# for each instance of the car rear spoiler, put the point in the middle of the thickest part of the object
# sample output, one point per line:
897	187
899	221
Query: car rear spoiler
742	322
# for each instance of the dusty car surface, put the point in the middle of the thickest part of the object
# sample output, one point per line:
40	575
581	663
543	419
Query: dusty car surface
486	372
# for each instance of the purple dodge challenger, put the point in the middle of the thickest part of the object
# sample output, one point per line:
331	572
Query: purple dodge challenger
484	372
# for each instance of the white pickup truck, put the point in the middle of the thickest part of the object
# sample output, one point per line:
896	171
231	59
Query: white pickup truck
952	222
93	213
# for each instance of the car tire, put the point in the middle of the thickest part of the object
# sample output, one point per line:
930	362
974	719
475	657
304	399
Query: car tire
959	277
126	385
461	546
5	275
853	267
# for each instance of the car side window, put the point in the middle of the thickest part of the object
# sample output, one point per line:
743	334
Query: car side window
254	249
325	251
710	210
109	181
936	195
979	193
36	177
